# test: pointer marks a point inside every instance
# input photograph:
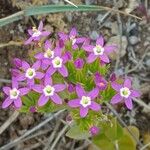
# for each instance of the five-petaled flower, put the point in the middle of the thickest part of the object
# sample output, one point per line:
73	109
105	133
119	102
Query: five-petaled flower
36	34
30	73
14	95
49	91
124	92
85	100
99	51
72	37
57	63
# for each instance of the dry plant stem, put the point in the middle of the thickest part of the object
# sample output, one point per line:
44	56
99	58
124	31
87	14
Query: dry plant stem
5	81
141	103
120	36
11	119
52	136
33	146
10	44
123	123
17	141
58	137
71	3
145	146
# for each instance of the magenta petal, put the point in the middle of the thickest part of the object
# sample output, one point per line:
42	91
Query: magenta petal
135	93
51	70
104	58
36	65
88	48
28	41
39	75
75	46
39	56
58	51
127	83
63	71
109	49
100	41
94	93
47	44
14	83
43	100
74	103
80	40
30	82
94	106
21	77
80	91
24	91
48	80
116	99
56	99
59	87
6	102
25	65
6	90
45	33
37	88
18	102
63	36
30	31
116	86
40	28
83	111
128	103
73	32
91	58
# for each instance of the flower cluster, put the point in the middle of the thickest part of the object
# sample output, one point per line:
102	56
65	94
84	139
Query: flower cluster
70	65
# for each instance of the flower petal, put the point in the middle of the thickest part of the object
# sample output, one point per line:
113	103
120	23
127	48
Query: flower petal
94	106
74	103
36	65
39	56
116	99
56	99
80	91
94	93
47	80
135	93
47	44
14	83
30	82
18	102
128	103
73	32
58	51
51	70
28	41
110	49
30	31
40	28
83	111
6	102
25	65
45	33
63	36
63	71
24	91
104	58
59	87
127	83
43	100
91	58
39	75
21	77
6	90
100	41
88	48
80	40
116	86
37	88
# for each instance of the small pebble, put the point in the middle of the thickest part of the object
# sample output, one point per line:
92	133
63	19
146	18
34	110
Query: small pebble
94	35
133	40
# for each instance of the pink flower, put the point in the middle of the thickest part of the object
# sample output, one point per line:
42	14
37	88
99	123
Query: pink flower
94	130
100	51
85	101
124	93
14	95
36	34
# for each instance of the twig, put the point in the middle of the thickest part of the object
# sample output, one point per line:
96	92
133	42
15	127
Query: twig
123	123
16	141
71	3
5	81
145	146
10	44
58	137
141	103
11	119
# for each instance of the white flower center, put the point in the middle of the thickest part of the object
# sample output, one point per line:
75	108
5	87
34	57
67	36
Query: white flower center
36	32
73	39
125	92
30	73
85	101
49	54
98	50
14	93
48	90
57	62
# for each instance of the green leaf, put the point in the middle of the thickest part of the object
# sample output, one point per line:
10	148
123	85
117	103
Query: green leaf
76	133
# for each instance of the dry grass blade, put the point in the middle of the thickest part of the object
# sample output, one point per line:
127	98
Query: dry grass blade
71	3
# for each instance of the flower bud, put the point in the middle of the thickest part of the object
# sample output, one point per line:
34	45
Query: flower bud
17	62
71	88
79	63
94	130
